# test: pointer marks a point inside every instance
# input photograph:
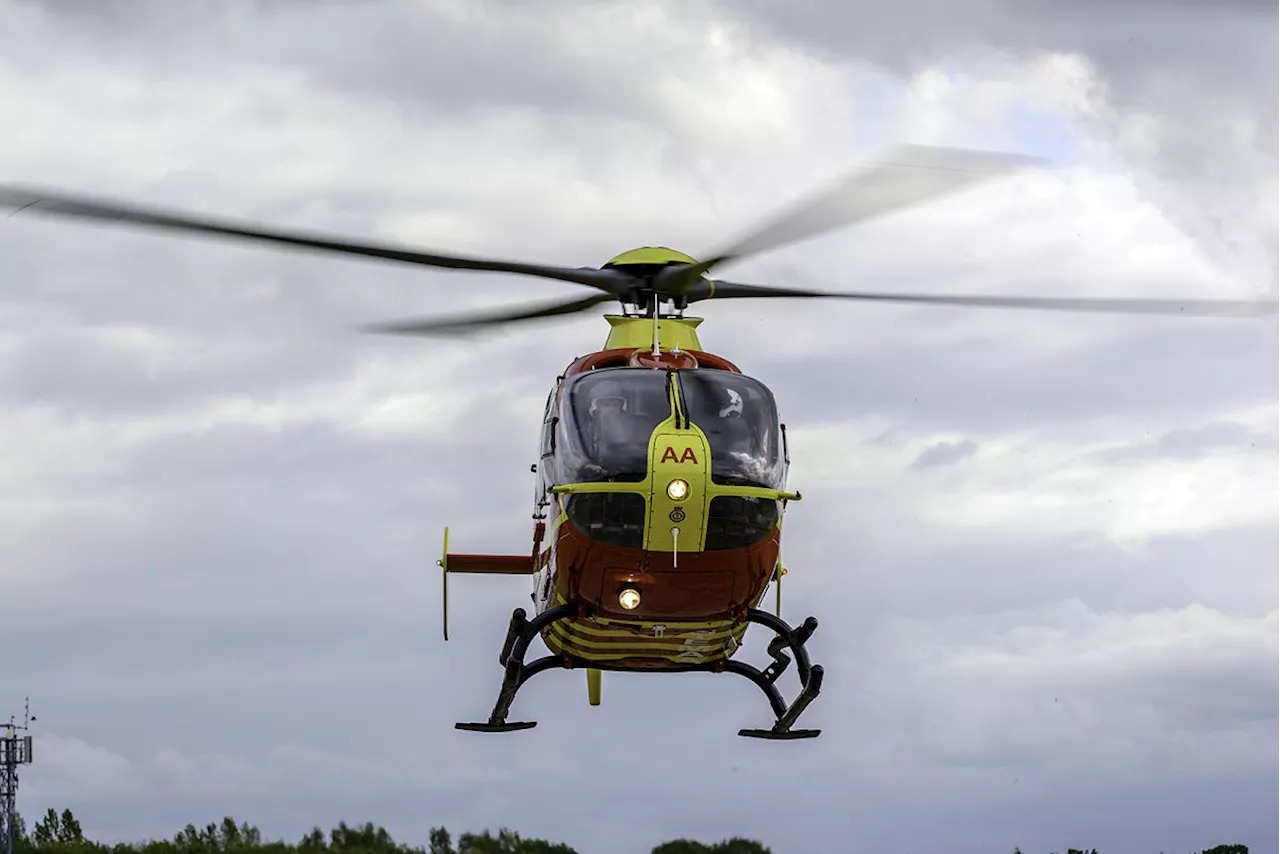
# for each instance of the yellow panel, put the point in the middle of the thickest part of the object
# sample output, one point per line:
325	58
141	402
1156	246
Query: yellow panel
635	333
650	255
678	455
593	686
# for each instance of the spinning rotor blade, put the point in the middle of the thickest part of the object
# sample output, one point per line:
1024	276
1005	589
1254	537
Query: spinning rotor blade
471	323
49	202
906	175
1188	307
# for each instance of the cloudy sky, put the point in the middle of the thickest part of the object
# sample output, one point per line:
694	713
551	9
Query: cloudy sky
1042	548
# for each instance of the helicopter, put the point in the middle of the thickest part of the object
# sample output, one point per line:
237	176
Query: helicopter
661	483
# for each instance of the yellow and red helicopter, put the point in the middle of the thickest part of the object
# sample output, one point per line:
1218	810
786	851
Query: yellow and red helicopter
662	476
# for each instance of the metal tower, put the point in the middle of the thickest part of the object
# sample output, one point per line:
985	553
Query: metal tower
15	750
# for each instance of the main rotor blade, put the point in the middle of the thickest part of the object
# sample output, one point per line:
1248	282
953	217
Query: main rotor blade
1187	307
906	175
459	326
53	202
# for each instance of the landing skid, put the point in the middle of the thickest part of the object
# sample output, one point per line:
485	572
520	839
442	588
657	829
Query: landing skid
522	631
810	675
511	727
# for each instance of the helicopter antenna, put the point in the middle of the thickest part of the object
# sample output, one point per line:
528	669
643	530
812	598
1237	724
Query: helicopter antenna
15	750
657	314
675	344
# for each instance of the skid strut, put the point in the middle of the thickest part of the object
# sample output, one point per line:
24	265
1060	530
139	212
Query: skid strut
522	631
810	675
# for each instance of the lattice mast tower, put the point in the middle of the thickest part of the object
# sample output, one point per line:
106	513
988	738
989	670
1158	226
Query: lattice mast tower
15	750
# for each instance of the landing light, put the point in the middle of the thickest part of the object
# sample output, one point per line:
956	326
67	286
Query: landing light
677	490
629	598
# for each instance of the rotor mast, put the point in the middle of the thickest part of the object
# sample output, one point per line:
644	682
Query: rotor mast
648	264
672	333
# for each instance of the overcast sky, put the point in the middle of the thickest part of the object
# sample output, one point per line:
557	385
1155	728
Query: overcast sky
1042	548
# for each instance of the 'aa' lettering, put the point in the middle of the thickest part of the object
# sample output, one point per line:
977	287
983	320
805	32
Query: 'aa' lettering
687	457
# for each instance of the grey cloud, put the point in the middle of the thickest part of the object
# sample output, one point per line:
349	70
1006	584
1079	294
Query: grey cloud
257	601
1187	443
1127	38
1192	443
1172	72
441	60
945	453
1173	367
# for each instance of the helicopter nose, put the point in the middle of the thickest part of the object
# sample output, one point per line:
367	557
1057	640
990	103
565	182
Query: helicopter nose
677	505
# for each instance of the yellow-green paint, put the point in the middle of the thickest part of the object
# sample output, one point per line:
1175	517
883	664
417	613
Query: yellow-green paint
634	333
708	640
561	517
664	467
593	686
650	255
678	454
683	455
644	487
686	642
443	563
637	332
597	628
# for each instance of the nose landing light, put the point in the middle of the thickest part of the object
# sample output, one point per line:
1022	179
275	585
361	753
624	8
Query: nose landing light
629	598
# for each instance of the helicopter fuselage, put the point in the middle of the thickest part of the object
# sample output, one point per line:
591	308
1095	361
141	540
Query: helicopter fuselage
661	486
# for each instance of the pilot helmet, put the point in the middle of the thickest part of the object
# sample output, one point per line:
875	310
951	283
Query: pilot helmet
607	390
734	406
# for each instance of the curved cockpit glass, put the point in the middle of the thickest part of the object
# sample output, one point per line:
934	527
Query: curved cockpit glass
606	419
740	420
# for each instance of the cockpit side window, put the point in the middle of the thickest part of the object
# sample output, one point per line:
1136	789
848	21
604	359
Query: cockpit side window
546	442
606	419
740	420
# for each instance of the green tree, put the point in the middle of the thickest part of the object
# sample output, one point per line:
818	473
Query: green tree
61	833
682	846
367	837
69	832
232	837
48	829
188	839
313	841
441	842
738	845
508	842
22	843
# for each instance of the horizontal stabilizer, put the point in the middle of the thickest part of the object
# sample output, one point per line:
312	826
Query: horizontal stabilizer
481	565
491	564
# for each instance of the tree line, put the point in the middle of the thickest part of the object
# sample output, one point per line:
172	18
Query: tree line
60	833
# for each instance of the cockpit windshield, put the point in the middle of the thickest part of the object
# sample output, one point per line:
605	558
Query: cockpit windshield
606	419
740	420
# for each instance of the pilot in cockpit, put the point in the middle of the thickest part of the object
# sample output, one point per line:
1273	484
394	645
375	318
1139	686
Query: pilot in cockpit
614	426
736	433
